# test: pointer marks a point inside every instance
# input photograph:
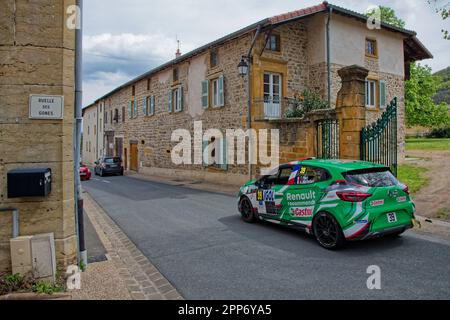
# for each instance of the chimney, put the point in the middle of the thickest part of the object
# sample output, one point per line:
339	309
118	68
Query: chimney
178	53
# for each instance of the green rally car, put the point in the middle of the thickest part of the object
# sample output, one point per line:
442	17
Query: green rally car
333	200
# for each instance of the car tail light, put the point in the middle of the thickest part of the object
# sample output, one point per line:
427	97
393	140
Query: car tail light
353	196
406	190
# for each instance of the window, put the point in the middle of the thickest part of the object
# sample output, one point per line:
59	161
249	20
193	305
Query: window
106	117
116	115
176	100
123	114
175	75
371	48
95	130
111	116
215	153
310	175
273	43
371	86
214	59
148	84
372	178
88	130
217	98
283	178
133	91
149	106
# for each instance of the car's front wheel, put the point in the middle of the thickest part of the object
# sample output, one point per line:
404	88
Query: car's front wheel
327	231
246	209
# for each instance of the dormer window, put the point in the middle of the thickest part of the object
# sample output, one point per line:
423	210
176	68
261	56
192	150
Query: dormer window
176	75
214	59
371	48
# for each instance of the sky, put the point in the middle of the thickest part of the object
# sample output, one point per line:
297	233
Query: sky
126	38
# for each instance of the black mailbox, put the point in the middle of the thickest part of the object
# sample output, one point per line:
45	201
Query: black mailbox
29	183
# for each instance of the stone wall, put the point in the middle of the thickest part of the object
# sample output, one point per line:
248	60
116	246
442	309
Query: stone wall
31	63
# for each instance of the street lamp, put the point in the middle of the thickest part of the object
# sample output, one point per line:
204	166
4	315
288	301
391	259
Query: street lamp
243	68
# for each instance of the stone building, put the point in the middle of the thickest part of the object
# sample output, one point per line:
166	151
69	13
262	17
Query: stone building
93	135
291	53
33	64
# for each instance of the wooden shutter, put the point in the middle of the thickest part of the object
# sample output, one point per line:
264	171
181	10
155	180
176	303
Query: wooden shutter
221	92
170	102
383	102
205	94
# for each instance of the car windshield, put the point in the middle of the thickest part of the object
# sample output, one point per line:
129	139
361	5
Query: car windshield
112	160
372	178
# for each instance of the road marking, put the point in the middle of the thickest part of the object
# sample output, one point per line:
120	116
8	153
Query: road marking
105	181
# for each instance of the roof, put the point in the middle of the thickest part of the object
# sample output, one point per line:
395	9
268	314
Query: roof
418	50
341	165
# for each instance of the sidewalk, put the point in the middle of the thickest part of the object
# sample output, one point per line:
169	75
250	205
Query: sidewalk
127	274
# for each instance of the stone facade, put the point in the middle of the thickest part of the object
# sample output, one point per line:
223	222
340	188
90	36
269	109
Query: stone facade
301	63
33	64
92	147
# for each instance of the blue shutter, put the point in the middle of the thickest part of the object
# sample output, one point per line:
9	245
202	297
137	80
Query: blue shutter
367	93
152	105
170	102
130	110
383	99
221	92
145	106
205	94
180	99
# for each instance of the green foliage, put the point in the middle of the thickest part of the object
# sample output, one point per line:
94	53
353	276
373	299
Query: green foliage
304	103
440	133
18	283
42	287
420	107
444	11
82	266
413	176
388	16
443	93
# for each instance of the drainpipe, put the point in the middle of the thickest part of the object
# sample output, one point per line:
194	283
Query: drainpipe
249	100
15	220
329	56
81	254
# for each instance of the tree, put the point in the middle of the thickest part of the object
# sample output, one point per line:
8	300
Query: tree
420	107
388	16
444	11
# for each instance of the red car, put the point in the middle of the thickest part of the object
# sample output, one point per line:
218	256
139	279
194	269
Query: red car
85	173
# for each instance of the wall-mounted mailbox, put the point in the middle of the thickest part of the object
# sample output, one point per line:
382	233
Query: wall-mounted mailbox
29	183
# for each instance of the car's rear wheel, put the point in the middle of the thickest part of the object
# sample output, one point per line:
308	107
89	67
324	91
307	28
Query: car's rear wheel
246	208
327	231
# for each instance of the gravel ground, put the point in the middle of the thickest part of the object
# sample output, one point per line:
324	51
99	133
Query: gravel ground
101	282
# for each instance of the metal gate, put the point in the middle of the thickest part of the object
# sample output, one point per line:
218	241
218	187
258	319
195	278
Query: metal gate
379	141
328	139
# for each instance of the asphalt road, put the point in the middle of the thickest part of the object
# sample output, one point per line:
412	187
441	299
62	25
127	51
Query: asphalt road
198	241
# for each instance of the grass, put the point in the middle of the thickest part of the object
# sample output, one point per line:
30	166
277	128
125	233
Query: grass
443	214
427	144
413	176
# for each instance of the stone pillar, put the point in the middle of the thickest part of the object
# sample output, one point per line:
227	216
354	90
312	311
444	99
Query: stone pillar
37	54
351	110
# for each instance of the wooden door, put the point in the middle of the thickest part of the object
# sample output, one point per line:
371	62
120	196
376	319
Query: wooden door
134	157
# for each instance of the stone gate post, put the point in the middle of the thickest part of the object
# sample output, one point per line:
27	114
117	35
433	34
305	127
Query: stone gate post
351	110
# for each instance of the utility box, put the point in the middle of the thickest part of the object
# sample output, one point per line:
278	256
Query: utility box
34	255
29	183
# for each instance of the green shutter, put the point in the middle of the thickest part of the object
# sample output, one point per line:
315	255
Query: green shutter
221	91
224	154
170	102
180	98
130	110
145	106
205	94
367	93
135	109
383	94
152	105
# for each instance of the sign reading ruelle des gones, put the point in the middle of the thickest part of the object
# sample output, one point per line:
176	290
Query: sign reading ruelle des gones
45	107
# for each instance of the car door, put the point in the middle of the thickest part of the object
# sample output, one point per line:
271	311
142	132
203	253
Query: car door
302	198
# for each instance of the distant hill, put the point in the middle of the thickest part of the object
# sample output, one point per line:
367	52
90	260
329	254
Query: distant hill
443	94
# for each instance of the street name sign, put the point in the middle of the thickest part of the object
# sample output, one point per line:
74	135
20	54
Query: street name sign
43	107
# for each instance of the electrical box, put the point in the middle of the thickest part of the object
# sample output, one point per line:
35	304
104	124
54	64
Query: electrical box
29	183
35	255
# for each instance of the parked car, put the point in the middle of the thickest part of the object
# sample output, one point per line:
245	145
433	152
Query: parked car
85	173
109	165
333	200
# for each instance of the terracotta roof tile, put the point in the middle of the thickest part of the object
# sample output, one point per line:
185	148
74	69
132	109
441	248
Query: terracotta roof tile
299	13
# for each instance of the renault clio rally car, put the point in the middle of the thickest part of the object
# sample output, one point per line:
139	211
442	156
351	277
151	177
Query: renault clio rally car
333	200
